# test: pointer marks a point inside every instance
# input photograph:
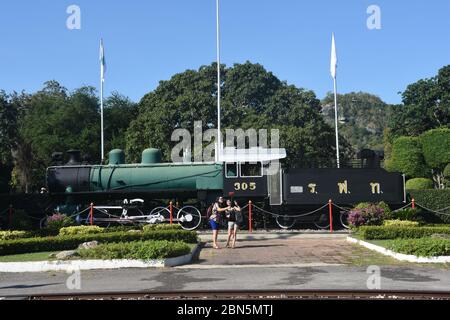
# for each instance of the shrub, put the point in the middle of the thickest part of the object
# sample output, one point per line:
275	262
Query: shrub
70	231
136	250
32	245
366	214
11	235
436	148
424	247
400	223
434	200
447	176
122	228
407	214
58	221
385	233
447	171
420	184
407	157
383	205
151	227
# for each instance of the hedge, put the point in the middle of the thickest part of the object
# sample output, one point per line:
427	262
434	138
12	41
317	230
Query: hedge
136	250
393	232
151	227
71	231
11	235
400	223
420	184
424	247
434	200
32	245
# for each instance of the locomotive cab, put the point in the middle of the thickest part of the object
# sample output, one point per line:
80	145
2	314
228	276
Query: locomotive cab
253	173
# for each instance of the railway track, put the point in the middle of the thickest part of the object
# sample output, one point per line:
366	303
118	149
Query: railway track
254	295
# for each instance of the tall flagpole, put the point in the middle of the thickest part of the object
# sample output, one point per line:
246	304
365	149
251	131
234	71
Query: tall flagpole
336	124
334	75
219	132
102	80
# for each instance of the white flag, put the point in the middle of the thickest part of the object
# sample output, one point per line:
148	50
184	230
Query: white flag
333	66
102	61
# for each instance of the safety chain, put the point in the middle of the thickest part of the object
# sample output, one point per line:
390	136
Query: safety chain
290	216
433	211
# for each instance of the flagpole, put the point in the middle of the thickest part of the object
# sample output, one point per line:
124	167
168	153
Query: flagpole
101	112
336	124
101	102
333	71
219	132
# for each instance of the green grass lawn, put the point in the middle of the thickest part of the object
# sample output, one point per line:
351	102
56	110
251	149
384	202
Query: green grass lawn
27	257
381	243
42	256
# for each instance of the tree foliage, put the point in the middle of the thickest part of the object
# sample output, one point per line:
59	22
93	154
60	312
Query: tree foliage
426	106
252	98
33	126
436	148
407	158
436	151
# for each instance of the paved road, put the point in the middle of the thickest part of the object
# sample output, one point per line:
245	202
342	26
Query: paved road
231	278
261	262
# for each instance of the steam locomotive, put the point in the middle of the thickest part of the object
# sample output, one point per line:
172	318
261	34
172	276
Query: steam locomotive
282	191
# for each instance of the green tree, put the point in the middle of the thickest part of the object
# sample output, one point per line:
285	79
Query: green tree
407	157
426	106
119	112
252	98
436	151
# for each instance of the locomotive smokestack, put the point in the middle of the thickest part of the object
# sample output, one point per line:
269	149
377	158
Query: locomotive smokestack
74	157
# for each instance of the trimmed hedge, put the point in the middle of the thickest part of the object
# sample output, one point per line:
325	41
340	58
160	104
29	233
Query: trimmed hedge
32	245
386	233
435	200
424	247
400	223
136	250
419	184
71	231
11	235
151	227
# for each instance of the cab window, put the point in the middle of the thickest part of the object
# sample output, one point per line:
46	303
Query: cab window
231	170
251	170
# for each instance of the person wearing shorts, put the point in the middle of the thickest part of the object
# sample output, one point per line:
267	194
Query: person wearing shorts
231	216
217	208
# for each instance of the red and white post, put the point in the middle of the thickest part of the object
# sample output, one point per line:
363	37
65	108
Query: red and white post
330	207
250	218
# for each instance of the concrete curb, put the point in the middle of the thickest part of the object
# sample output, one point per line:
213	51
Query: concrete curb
70	266
399	256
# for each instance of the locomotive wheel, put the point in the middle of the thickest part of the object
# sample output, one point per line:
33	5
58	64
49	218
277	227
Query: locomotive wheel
344	220
189	218
162	211
323	222
285	222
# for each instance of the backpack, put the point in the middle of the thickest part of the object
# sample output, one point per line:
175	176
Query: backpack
209	211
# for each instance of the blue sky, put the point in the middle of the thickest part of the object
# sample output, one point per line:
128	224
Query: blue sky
149	40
